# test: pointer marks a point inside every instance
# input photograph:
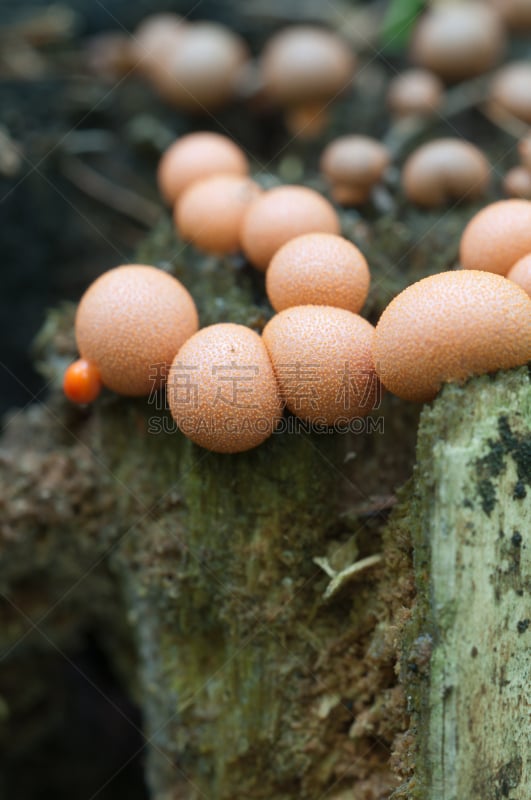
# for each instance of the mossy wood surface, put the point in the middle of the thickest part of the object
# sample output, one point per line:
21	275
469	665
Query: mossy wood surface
252	683
223	589
469	656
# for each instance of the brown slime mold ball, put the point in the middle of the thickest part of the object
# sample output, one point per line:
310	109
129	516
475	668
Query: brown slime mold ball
511	90
222	390
195	156
203	71
415	92
318	269
521	273
524	151
517	183
448	327
516	14
305	64
323	363
497	236
352	164
279	215
458	40
210	212
153	42
130	323
445	170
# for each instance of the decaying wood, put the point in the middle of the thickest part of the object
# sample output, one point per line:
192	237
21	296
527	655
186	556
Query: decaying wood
468	661
203	578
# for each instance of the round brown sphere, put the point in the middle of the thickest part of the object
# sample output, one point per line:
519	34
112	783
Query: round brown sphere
352	164
210	212
201	74
222	390
415	92
196	156
306	64
279	215
524	151
155	31
130	323
458	40
448	327
154	41
318	269
520	273
445	170
515	13
497	236
511	90
323	363
517	183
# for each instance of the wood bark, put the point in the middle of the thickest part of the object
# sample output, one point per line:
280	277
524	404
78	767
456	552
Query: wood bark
468	663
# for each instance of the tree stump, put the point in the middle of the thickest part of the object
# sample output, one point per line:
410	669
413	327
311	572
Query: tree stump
265	609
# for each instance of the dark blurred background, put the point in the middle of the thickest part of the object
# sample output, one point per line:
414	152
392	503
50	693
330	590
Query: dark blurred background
53	112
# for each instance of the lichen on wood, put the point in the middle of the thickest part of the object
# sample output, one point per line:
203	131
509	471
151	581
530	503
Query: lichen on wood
466	663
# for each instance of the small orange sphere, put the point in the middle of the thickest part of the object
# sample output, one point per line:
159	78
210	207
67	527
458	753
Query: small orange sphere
497	236
279	215
222	390
210	212
130	323
195	156
82	381
322	358
318	269
520	273
448	327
